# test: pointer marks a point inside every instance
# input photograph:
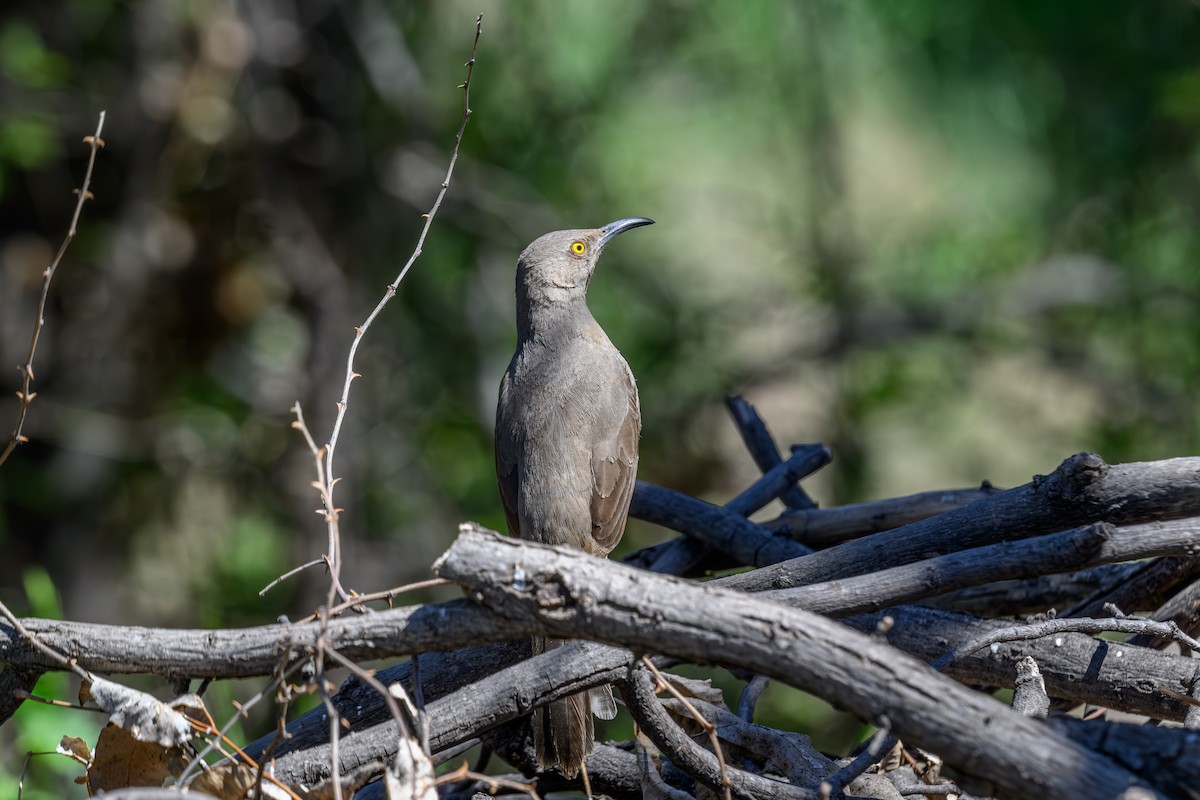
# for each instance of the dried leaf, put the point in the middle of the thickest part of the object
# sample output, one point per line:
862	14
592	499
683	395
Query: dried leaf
120	760
76	748
232	781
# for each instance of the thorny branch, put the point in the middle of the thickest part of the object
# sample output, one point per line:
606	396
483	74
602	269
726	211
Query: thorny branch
326	477
26	394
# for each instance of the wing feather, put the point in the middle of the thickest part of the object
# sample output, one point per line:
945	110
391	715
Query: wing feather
614	471
507	476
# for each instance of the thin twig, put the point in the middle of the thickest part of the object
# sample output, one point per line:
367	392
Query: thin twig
326	480
26	394
223	736
24	695
360	331
263	591
283	700
708	726
389	594
324	487
223	733
44	649
493	782
386	692
390	694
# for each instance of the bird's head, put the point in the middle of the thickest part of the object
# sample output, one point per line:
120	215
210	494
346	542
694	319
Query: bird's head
557	267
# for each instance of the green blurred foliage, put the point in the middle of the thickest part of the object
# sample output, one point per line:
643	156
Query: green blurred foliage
35	727
954	241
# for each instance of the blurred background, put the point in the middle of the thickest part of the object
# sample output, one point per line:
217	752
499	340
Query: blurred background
953	241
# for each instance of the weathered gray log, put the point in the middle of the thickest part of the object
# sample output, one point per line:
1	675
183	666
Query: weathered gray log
1094	544
246	652
15	682
1038	594
571	594
455	716
1148	586
1082	490
823	527
1168	757
743	541
360	705
1074	667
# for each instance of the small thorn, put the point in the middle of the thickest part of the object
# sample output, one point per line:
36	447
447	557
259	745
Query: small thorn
462	86
335	482
22	438
296	424
89	196
100	143
445	184
354	375
424	216
316	485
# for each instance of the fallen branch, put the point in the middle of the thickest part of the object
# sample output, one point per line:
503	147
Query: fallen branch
1074	666
247	652
1084	489
572	594
1099	543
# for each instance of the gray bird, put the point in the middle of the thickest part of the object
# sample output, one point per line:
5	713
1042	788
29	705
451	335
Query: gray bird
567	427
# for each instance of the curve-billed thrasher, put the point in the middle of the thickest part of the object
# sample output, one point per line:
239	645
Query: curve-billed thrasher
567	428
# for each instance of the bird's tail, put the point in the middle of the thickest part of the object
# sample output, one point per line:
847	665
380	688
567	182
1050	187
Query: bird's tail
563	732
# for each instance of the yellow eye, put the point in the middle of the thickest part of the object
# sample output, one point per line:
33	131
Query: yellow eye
579	248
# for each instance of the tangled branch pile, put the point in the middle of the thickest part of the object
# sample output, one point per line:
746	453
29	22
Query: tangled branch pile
900	611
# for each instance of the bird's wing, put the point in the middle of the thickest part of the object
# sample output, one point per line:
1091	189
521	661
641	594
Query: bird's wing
507	476
614	470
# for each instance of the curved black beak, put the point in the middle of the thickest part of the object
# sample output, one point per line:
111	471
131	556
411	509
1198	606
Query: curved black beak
612	229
